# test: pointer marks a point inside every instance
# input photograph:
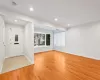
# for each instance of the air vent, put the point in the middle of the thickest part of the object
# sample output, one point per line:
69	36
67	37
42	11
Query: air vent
14	3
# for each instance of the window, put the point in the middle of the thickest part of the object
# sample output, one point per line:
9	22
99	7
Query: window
41	39
16	37
48	39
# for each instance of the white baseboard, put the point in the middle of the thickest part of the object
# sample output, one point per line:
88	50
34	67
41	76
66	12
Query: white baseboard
1	67
14	56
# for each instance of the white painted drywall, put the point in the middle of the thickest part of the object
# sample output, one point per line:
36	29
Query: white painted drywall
2	55
29	42
44	48
11	49
84	40
60	40
2	42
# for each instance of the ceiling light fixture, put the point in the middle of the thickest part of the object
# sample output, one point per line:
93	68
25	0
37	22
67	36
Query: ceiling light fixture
56	19
31	9
68	24
16	20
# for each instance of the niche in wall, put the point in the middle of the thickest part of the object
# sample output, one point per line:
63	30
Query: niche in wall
41	39
16	43
59	39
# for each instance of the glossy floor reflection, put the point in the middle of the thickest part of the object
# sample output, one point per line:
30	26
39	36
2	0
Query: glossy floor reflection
54	65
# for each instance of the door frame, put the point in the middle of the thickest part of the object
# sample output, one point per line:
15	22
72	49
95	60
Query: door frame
9	44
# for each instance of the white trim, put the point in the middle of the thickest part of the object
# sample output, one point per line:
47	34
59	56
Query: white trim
40	32
1	67
32	62
41	46
13	56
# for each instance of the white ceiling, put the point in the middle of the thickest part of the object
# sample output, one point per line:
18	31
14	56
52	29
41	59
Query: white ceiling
74	12
13	20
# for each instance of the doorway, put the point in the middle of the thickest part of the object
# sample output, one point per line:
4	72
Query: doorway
14	40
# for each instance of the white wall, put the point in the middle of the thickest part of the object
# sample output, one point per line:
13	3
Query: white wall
29	42
45	48
59	41
84	40
2	42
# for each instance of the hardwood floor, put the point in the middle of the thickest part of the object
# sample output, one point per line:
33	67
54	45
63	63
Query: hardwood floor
54	65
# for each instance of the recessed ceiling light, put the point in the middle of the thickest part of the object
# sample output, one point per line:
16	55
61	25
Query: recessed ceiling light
15	20
68	24
56	19
31	9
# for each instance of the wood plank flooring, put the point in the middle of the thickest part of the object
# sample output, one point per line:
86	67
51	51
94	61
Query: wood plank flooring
54	65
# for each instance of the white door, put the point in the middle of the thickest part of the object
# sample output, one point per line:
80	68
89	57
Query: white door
2	42
14	41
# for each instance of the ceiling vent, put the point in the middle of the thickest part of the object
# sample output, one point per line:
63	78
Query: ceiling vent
14	3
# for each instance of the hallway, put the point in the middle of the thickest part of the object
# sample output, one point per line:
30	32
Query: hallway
54	65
